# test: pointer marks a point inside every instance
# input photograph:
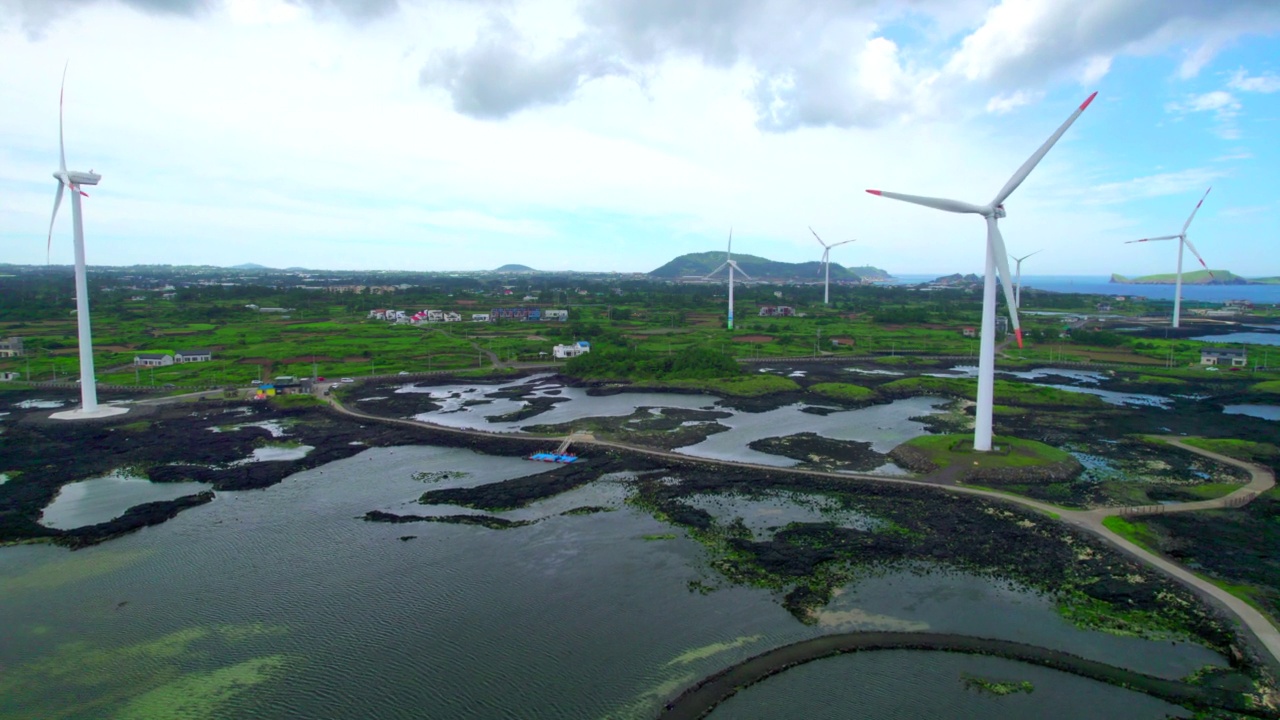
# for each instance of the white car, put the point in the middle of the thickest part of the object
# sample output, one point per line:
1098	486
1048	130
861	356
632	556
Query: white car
347	380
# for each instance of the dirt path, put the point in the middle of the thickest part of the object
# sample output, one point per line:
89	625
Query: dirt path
1088	520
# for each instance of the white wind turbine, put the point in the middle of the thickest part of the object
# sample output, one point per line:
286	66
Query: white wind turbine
732	264
89	407
997	257
826	263
1017	277
1182	240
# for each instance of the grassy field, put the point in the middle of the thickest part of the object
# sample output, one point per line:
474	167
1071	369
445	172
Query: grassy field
947	450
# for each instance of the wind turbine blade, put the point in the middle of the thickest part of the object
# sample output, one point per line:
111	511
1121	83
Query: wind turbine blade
843	242
1193	212
954	206
739	269
1036	157
826	258
996	241
62	148
57	201
1024	257
730	252
1154	239
815	234
723	265
1192	248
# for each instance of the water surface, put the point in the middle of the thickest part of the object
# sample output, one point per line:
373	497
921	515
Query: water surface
89	502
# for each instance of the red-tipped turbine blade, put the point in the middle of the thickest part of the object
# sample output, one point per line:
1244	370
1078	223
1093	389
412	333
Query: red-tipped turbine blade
1018	333
874	192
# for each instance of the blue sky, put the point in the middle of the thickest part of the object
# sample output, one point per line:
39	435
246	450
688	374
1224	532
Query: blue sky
616	134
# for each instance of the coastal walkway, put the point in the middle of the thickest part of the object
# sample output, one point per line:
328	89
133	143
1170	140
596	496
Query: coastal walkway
1091	521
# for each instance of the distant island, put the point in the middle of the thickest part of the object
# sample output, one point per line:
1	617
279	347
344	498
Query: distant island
765	269
514	268
1197	277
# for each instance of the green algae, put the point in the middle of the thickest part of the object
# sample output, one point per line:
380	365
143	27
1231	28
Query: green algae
707	651
144	679
70	568
202	695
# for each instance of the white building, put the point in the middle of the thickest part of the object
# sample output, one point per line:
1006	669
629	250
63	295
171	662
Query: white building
152	360
479	317
11	347
568	351
190	356
451	316
1233	357
561	315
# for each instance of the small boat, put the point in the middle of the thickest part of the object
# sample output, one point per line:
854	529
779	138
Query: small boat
552	457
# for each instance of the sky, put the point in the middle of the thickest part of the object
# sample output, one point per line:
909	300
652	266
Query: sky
614	135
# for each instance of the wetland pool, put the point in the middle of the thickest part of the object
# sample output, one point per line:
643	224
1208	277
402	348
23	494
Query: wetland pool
282	603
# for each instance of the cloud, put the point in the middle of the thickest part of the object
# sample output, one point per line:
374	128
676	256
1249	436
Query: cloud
1265	83
836	63
1002	104
1151	186
36	15
1224	106
500	74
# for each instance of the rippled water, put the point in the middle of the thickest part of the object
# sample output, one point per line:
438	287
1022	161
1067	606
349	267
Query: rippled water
101	499
1266	412
907	684
575	616
884	426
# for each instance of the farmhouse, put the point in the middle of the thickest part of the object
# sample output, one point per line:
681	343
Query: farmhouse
479	317
777	311
152	360
11	347
568	351
7	376
190	356
561	315
1233	357
515	313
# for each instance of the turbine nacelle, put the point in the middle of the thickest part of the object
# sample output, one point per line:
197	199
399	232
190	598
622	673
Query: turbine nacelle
75	177
998	211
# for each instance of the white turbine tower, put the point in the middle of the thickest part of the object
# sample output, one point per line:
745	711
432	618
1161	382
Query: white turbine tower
1182	240
1017	277
997	257
826	263
732	264
89	407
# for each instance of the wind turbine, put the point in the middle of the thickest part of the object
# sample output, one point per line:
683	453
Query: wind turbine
1182	240
997	257
826	262
732	264
73	179
1017	277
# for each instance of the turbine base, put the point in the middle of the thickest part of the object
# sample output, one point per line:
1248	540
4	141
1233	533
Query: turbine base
102	411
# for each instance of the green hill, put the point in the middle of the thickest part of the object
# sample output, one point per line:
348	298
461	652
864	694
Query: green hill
514	268
1197	277
764	269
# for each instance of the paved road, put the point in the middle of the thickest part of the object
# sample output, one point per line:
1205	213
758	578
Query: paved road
1262	479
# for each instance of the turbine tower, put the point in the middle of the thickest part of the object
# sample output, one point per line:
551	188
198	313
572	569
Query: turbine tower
89	407
1017	277
997	258
826	263
1182	240
732	264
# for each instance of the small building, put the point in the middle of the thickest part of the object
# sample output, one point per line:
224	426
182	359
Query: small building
969	332
451	316
522	314
570	351
560	315
479	317
9	376
152	360
1235	357
190	356
777	311
11	347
